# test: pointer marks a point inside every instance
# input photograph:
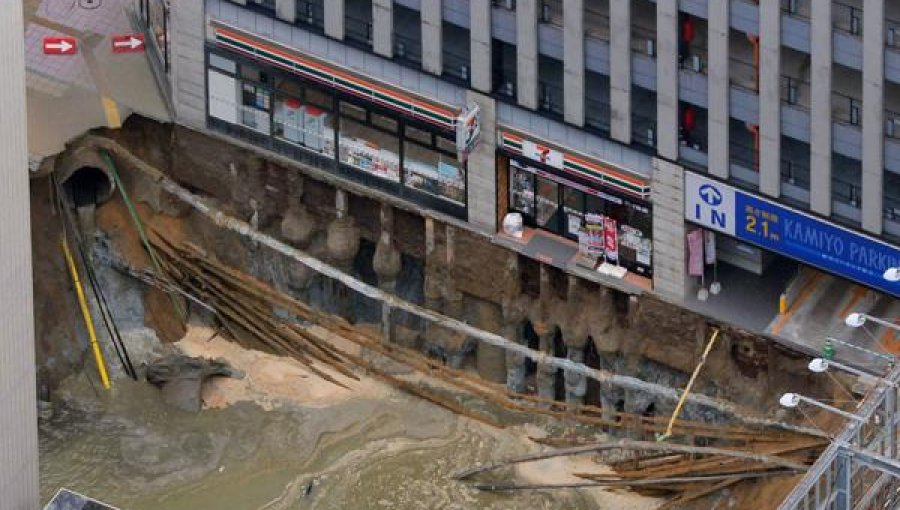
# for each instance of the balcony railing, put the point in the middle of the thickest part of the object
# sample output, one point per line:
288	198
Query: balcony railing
795	173
643	40
847	18
408	49
311	14
456	66
551	12
643	130
744	74
596	22
891	124
795	91
797	8
550	98
846	109
892	33
357	30
597	114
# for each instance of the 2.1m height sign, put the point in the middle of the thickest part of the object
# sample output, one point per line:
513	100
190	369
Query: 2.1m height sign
792	233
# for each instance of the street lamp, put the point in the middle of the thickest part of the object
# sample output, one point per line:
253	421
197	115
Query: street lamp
892	274
820	365
791	400
856	319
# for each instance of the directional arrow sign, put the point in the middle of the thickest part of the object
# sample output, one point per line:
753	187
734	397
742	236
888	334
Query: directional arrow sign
128	43
59	45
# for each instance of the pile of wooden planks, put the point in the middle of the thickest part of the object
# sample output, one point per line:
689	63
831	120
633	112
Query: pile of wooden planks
259	316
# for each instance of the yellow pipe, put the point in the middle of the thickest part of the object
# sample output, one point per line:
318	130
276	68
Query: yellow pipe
690	384
85	312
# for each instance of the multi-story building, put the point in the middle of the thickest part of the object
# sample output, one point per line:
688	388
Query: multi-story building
623	125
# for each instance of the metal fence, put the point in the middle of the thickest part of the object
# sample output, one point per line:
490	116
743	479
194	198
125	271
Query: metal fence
859	469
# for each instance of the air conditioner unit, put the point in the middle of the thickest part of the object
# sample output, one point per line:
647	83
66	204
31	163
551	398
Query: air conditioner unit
545	12
464	71
401	49
854	114
651	47
793	6
651	137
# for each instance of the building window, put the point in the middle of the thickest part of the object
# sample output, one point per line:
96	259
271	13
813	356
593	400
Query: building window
319	126
358	23
407	35
434	171
367	148
504	68
311	13
456	53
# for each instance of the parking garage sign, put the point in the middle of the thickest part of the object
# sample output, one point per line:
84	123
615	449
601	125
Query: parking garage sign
803	237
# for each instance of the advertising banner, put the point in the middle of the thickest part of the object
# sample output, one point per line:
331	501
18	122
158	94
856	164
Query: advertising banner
611	239
798	235
709	247
695	252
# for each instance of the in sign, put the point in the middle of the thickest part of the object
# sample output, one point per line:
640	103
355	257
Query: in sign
59	46
128	43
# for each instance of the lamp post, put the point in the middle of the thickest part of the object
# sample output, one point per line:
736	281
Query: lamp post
820	365
791	400
856	319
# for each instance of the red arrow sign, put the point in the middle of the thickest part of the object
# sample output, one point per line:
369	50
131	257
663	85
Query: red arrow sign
59	45
128	43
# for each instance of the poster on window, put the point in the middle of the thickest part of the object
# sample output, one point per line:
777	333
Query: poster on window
695	252
610	240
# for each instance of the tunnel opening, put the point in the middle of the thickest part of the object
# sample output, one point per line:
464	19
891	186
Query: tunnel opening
87	185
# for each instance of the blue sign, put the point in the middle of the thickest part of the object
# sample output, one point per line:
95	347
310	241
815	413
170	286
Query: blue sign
784	230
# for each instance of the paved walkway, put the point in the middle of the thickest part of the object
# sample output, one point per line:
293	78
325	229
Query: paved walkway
70	94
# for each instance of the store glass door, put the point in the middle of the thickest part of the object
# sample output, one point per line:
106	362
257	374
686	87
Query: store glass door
547	200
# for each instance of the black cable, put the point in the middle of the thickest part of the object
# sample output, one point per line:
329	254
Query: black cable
109	323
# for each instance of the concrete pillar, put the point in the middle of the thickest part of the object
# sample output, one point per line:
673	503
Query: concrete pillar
480	45
820	108
527	53
667	73
873	116
18	401
286	10
573	61
188	73
334	19
669	264
482	168
719	84
383	27
432	37
576	383
387	260
620	70
770	98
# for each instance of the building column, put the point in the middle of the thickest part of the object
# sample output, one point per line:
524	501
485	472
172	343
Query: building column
573	61
334	19
286	10
527	53
432	37
669	263
667	73
873	116
480	45
719	85
383	27
620	71
188	74
18	399
482	168
770	98
820	122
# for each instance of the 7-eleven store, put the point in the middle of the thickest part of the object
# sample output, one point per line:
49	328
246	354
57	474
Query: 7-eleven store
560	193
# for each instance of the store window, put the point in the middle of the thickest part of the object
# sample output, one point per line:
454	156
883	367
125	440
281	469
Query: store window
557	204
434	171
366	147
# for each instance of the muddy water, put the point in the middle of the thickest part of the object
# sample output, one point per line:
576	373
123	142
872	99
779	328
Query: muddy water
393	452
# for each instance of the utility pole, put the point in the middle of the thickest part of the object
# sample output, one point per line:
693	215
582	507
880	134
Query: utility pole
18	410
